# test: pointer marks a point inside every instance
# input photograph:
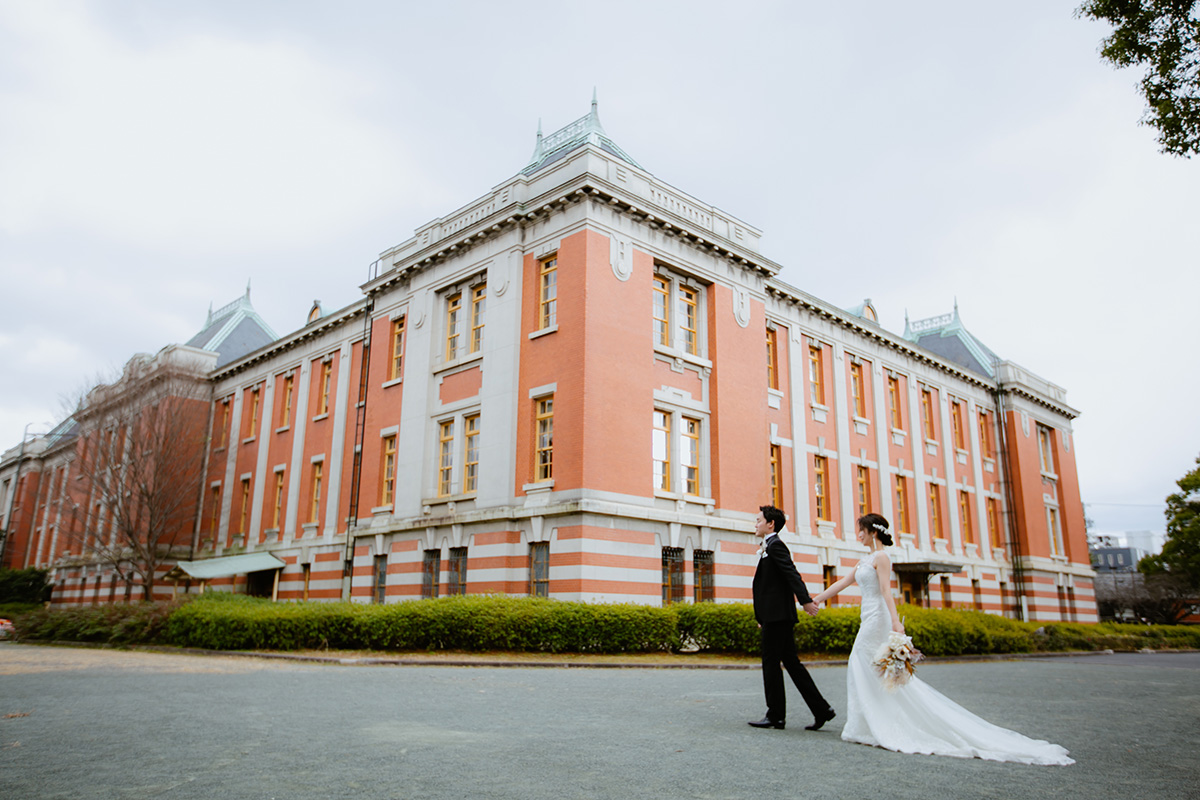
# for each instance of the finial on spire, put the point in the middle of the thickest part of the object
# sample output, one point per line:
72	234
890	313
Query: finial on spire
208	321
595	103
247	288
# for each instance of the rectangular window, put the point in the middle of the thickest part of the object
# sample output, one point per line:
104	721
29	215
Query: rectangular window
964	515
935	511
431	568
1055	528
946	592
820	486
539	569
445	457
285	403
306	577
277	507
326	383
985	436
315	498
544	456
223	437
379	580
862	487
927	414
478	312
976	595
993	521
956	425
776	476
453	326
829	578
672	575
772	360
816	374
387	472
244	516
215	519
471	454
858	389
1046	449
661	447
902	504
894	402
689	455
662	311
457	573
703	576
396	367
689	319
252	426
548	294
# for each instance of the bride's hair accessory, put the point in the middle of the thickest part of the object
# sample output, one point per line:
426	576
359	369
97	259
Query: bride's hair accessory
896	659
878	527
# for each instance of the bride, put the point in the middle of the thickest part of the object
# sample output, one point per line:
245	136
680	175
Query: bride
912	718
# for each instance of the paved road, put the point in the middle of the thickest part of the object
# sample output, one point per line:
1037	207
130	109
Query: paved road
97	724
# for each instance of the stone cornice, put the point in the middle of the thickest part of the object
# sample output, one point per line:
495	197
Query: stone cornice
292	340
872	331
663	209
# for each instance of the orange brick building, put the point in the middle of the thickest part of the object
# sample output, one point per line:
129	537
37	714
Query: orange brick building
583	384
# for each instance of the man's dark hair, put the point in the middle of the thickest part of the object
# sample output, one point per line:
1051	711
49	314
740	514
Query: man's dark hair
774	516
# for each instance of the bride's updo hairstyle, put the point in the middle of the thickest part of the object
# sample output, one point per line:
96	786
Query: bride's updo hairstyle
876	525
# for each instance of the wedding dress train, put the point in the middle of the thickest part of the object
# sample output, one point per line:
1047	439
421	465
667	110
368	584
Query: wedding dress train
915	718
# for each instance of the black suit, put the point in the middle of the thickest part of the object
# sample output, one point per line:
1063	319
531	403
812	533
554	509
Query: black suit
777	586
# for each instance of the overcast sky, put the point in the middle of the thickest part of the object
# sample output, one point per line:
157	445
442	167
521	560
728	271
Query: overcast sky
154	157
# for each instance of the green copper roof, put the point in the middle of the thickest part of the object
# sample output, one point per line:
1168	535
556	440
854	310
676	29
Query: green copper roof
583	131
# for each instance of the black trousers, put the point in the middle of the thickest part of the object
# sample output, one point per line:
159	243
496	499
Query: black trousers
779	653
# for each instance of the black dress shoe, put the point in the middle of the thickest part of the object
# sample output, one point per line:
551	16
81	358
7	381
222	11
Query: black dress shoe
821	719
767	723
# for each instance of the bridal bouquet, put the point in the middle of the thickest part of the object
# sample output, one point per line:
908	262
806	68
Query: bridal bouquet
896	659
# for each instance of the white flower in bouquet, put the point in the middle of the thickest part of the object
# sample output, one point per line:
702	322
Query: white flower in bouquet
895	660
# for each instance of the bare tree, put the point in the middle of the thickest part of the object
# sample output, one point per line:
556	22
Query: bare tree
138	465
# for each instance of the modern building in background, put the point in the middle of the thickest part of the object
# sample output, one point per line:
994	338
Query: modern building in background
582	385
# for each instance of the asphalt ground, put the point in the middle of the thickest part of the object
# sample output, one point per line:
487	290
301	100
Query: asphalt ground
95	724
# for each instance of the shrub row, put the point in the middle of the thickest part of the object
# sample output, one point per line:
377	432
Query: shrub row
221	621
24	585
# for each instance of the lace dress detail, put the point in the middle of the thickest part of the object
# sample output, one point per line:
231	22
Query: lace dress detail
915	718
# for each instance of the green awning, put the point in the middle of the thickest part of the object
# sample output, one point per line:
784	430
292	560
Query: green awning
225	566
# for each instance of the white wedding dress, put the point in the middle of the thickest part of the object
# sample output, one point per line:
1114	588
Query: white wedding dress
915	718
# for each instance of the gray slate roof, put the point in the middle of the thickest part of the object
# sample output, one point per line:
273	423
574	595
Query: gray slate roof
946	336
233	330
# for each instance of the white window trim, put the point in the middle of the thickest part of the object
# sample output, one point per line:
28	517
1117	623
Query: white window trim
674	348
677	491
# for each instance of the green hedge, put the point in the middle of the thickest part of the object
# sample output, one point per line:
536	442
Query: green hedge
24	585
135	623
472	623
221	621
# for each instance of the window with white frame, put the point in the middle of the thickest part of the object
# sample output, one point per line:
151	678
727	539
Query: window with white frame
1046	449
458	454
1054	528
679	313
465	310
679	452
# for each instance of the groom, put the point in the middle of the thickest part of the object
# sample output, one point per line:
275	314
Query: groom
775	582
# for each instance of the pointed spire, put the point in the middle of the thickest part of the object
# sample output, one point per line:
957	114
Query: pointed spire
208	321
247	289
537	148
593	122
907	329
